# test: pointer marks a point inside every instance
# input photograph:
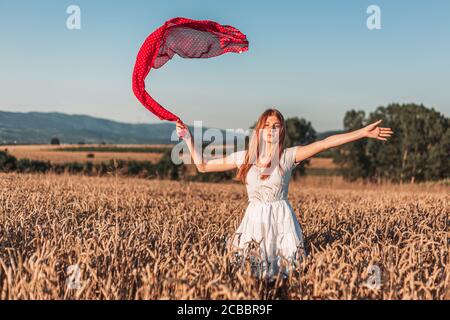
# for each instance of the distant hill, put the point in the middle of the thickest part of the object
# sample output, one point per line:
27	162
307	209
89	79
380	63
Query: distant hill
37	127
40	128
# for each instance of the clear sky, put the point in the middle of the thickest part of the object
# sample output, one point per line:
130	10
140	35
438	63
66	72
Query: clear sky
312	59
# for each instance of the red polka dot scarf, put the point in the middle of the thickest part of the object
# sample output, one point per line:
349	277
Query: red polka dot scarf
189	39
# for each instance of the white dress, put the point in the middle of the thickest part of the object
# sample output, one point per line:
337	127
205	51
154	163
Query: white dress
270	219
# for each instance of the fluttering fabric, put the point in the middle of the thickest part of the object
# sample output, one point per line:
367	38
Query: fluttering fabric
189	39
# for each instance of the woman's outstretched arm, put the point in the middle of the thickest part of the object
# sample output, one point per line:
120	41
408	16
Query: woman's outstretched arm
371	131
202	165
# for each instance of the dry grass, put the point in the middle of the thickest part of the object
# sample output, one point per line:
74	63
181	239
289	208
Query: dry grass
322	163
141	239
46	153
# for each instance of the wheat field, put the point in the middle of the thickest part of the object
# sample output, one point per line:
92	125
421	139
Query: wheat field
130	238
52	154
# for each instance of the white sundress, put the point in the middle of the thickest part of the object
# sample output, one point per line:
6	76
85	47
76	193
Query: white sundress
270	219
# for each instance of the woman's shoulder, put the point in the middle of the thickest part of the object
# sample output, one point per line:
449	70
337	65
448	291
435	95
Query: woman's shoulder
288	157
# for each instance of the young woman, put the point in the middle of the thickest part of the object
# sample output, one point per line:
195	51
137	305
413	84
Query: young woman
266	169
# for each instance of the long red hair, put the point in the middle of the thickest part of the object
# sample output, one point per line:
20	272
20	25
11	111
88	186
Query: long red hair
253	152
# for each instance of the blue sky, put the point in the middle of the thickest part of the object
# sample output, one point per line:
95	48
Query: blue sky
312	59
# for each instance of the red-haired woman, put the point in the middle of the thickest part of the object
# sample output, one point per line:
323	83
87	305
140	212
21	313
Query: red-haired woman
266	169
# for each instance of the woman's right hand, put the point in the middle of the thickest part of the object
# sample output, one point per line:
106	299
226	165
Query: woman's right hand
182	130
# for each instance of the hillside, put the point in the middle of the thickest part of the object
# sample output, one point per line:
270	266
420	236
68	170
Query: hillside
40	128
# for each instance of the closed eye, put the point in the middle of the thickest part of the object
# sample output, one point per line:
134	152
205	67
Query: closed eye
274	126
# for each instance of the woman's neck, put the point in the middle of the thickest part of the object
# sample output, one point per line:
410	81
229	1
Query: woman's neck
265	154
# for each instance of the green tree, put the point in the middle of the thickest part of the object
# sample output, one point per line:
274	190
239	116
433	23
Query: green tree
166	169
299	132
418	150
352	157
8	162
54	141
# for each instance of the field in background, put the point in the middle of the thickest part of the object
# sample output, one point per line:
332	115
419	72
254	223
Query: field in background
149	239
104	153
53	153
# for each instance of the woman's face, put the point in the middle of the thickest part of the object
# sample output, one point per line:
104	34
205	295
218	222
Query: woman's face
271	130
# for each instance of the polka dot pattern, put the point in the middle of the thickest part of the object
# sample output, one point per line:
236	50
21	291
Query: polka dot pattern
189	39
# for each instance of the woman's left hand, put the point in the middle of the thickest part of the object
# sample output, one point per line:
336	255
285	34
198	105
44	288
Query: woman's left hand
374	131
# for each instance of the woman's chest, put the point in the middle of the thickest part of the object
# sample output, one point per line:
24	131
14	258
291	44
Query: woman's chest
255	177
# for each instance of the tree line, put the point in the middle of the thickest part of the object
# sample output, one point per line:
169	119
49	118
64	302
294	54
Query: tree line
418	151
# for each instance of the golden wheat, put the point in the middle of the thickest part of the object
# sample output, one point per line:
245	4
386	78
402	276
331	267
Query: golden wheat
129	238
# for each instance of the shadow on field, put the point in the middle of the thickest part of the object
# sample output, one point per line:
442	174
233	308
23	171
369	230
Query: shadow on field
319	240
